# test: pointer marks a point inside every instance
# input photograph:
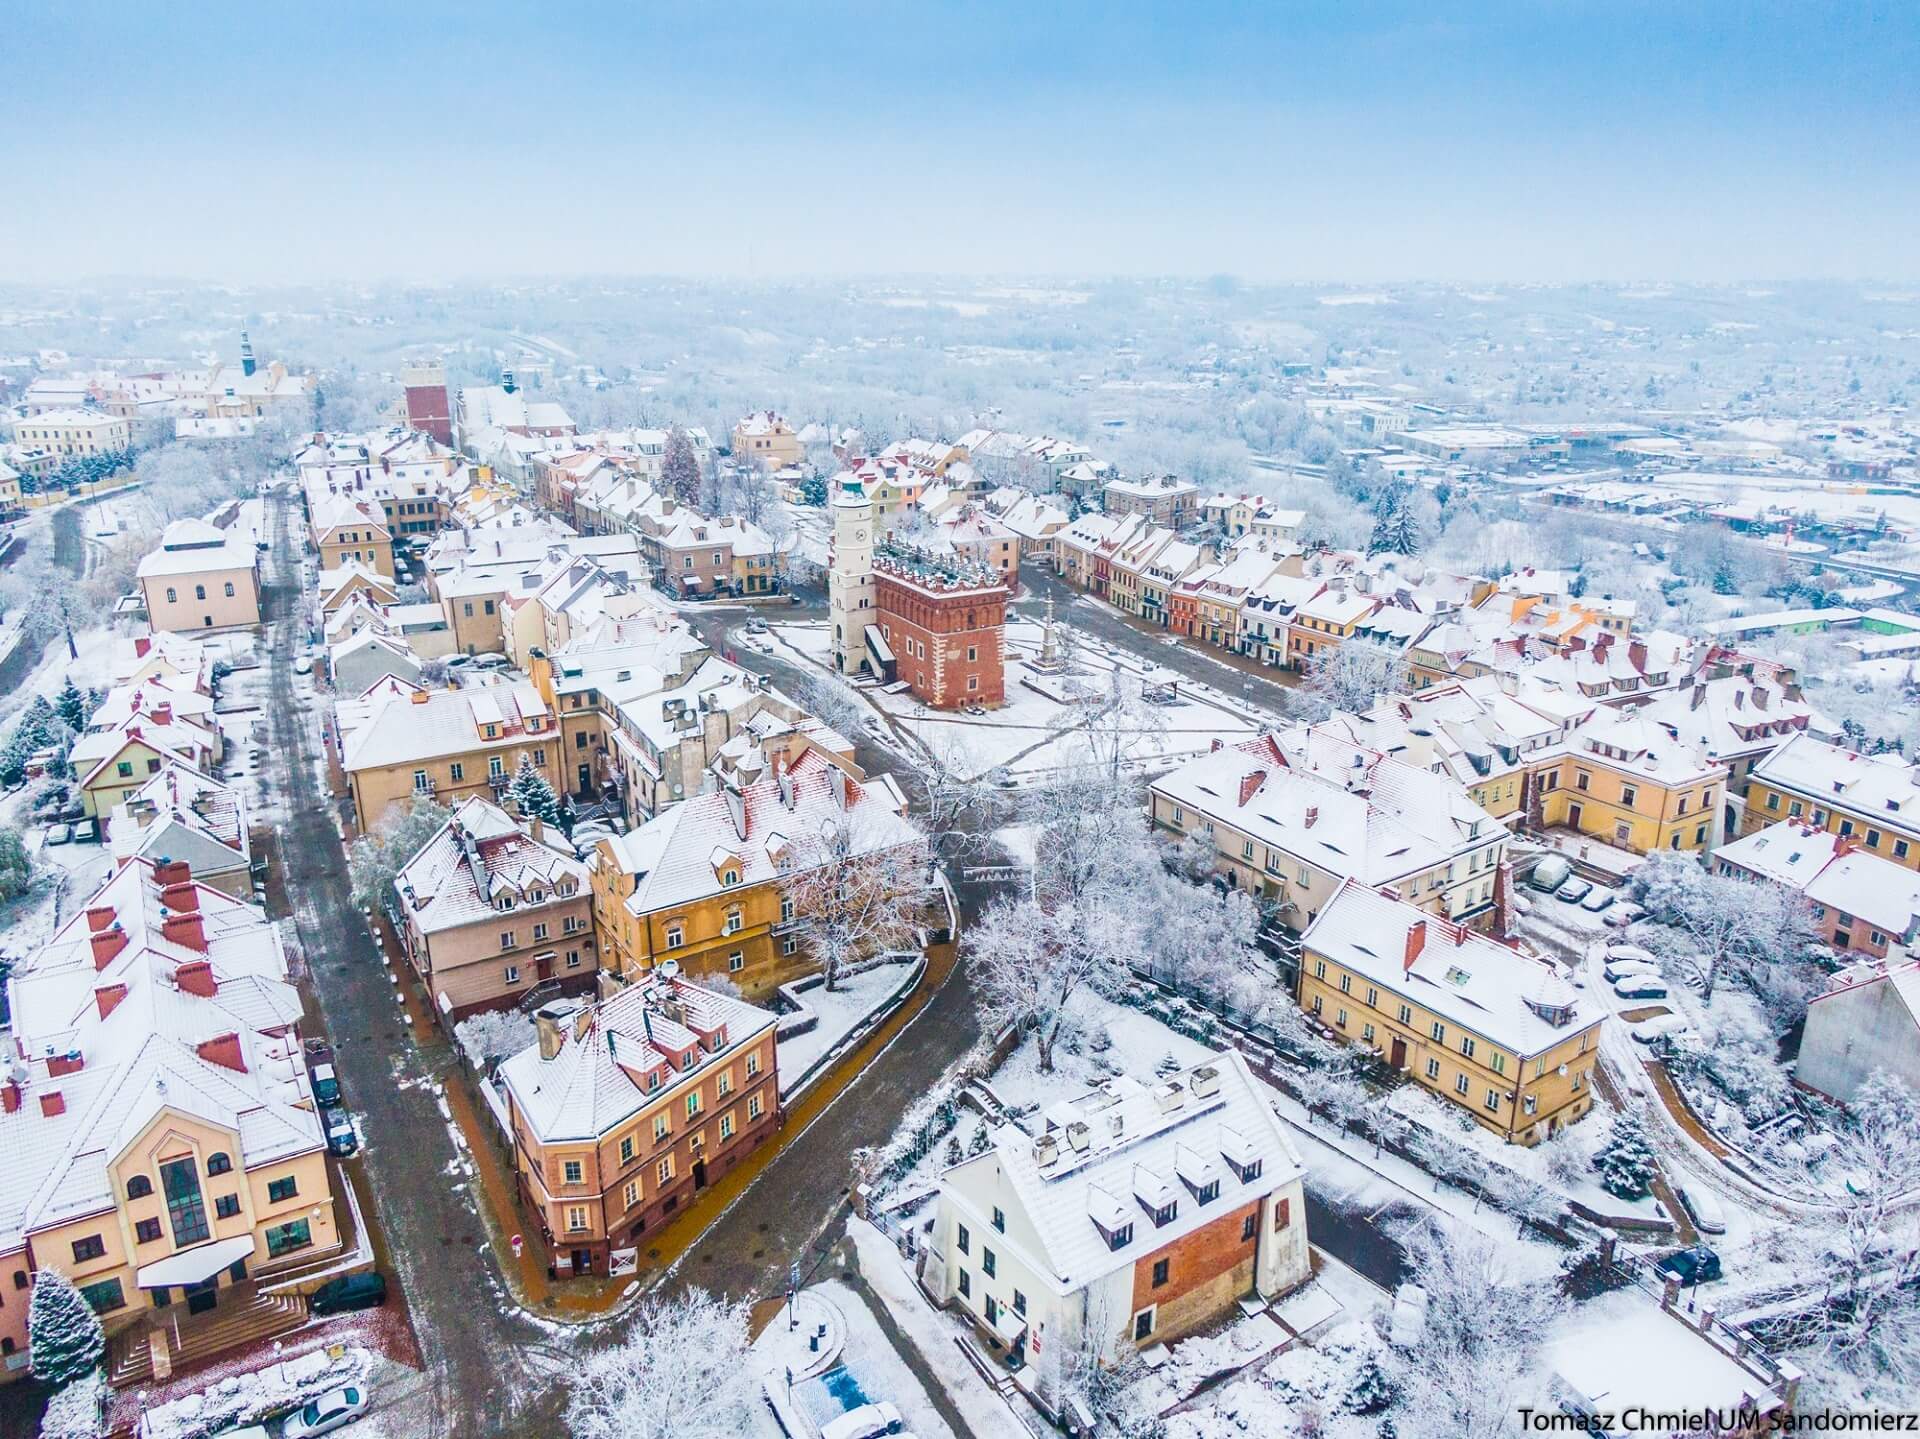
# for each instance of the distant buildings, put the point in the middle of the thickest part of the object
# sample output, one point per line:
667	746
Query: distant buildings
624	1111
200	579
1164	499
68	433
1859	901
1132	1216
765	439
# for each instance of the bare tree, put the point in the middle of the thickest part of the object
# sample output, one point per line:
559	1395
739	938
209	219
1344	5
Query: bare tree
962	804
1352	677
857	890
682	1372
1093	832
1117	726
1029	964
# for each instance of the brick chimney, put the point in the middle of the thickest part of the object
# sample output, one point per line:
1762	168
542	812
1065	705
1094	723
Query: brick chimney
1844	845
1759	697
1637	654
189	930
1699	696
1313	815
171	871
60	1064
1416	941
53	1102
108	996
141	646
1740	699
1250	785
10	1096
99	916
223	1050
196	977
107	944
162	713
181	898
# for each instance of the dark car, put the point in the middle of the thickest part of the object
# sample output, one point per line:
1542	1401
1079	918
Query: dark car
1698	1265
342	1138
349	1292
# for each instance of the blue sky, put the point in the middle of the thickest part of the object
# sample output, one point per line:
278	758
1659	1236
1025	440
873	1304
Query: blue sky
1277	142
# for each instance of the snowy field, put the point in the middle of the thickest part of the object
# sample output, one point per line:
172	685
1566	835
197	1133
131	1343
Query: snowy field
1037	730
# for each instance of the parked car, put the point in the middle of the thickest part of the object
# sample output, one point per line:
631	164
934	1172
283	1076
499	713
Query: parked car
1698	1265
326	1084
340	1136
333	1410
350	1292
1600	899
1622	915
1573	891
453	660
490	662
1618	950
1615	970
756	626
59	833
1641	986
72	813
1661	1026
1702	1208
869	1421
1550	873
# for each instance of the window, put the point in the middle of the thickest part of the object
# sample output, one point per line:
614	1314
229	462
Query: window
723	1086
576	1218
173	596
736	962
1773	801
1406	1015
676	936
1319	969
665	1169
1460	1083
105	1296
1493	1099
185	1207
1899	849
226	1206
421	784
1873	839
988	1263
1143	1325
496	767
966	1284
507	938
1346	984
513	974
726	1126
1373	998
1466	1046
199	592
1499	1062
735	920
146	1231
753	1107
790	945
279	1190
284	1238
229	589
1282	1214
662	1126
1315	1006
1161	1268
1366	1033
571	1172
539	758
626	1149
1433	1069
693	1105
999	1219
1019	1302
631	1194
963	1240
1627	793
1531	1104
539	933
1439	1032
139	1187
753	1064
126	769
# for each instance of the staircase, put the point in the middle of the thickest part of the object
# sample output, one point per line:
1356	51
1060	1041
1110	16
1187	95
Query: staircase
201	1337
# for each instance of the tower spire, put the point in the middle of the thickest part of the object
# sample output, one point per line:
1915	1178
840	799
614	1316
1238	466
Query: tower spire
247	365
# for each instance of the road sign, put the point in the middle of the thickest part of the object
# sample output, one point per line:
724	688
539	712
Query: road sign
518	1244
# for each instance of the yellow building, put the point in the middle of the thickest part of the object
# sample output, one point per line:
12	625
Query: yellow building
1495	1032
1874	799
446	745
767	440
71	433
177	1153
1625	780
200	579
343	530
705	882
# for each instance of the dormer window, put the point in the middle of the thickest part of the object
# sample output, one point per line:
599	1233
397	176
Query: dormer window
1116	1238
1207	1192
504	903
1164	1215
729	878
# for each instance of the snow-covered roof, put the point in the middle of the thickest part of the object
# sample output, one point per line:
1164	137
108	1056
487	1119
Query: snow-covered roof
1466	978
460	874
1109	1158
189	547
1882	785
597	1080
430	724
1831	870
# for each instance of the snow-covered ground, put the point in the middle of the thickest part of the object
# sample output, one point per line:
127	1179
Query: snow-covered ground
865	1353
839	1011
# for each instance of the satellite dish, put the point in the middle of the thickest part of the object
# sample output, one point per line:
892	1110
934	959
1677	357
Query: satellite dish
669	969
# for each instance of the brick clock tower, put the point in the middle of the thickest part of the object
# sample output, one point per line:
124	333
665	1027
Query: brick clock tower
945	621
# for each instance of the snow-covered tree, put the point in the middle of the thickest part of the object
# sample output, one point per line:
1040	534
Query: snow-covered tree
1119	725
1029	964
72	705
682	1372
64	1337
16	866
532	797
1350	678
1626	1160
396	838
960	802
77	1410
680	468
1395	530
1761	929
1096	841
857	891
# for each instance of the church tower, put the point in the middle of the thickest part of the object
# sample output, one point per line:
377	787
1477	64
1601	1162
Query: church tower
850	577
247	365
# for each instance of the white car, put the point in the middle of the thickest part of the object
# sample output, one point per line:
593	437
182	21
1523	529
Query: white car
1615	970
303	666
1617	950
869	1421
1661	1026
1703	1209
333	1410
1641	986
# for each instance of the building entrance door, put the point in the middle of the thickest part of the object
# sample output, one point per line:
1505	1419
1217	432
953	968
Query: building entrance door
1398	1058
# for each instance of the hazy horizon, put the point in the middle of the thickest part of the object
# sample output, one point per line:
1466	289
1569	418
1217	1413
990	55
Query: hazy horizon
1509	143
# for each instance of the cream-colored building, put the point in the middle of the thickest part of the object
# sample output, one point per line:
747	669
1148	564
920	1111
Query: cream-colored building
71	433
345	530
200	579
767	440
446	745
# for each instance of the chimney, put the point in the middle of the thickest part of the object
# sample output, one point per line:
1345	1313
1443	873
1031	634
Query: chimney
181	898
537	829
10	1096
196	977
1416	941
188	930
68	1063
52	1103
1759	697
99	917
108	996
1699	697
1250	785
1844	845
1313	815
162	713
171	871
223	1050
141	646
1637	653
547	1026
1217	743
106	945
1739	699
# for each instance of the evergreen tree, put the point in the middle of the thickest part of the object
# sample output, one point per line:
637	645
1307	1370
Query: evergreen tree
1167	1065
979	1143
680	468
1394	528
813	490
1371	1390
532	795
1626	1162
71	704
64	1336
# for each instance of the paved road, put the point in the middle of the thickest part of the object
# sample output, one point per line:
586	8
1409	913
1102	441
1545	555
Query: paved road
484	1368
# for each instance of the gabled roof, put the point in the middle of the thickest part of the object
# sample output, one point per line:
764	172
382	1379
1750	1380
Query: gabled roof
459	875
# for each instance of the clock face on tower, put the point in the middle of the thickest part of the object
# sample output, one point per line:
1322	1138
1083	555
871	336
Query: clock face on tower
859	534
